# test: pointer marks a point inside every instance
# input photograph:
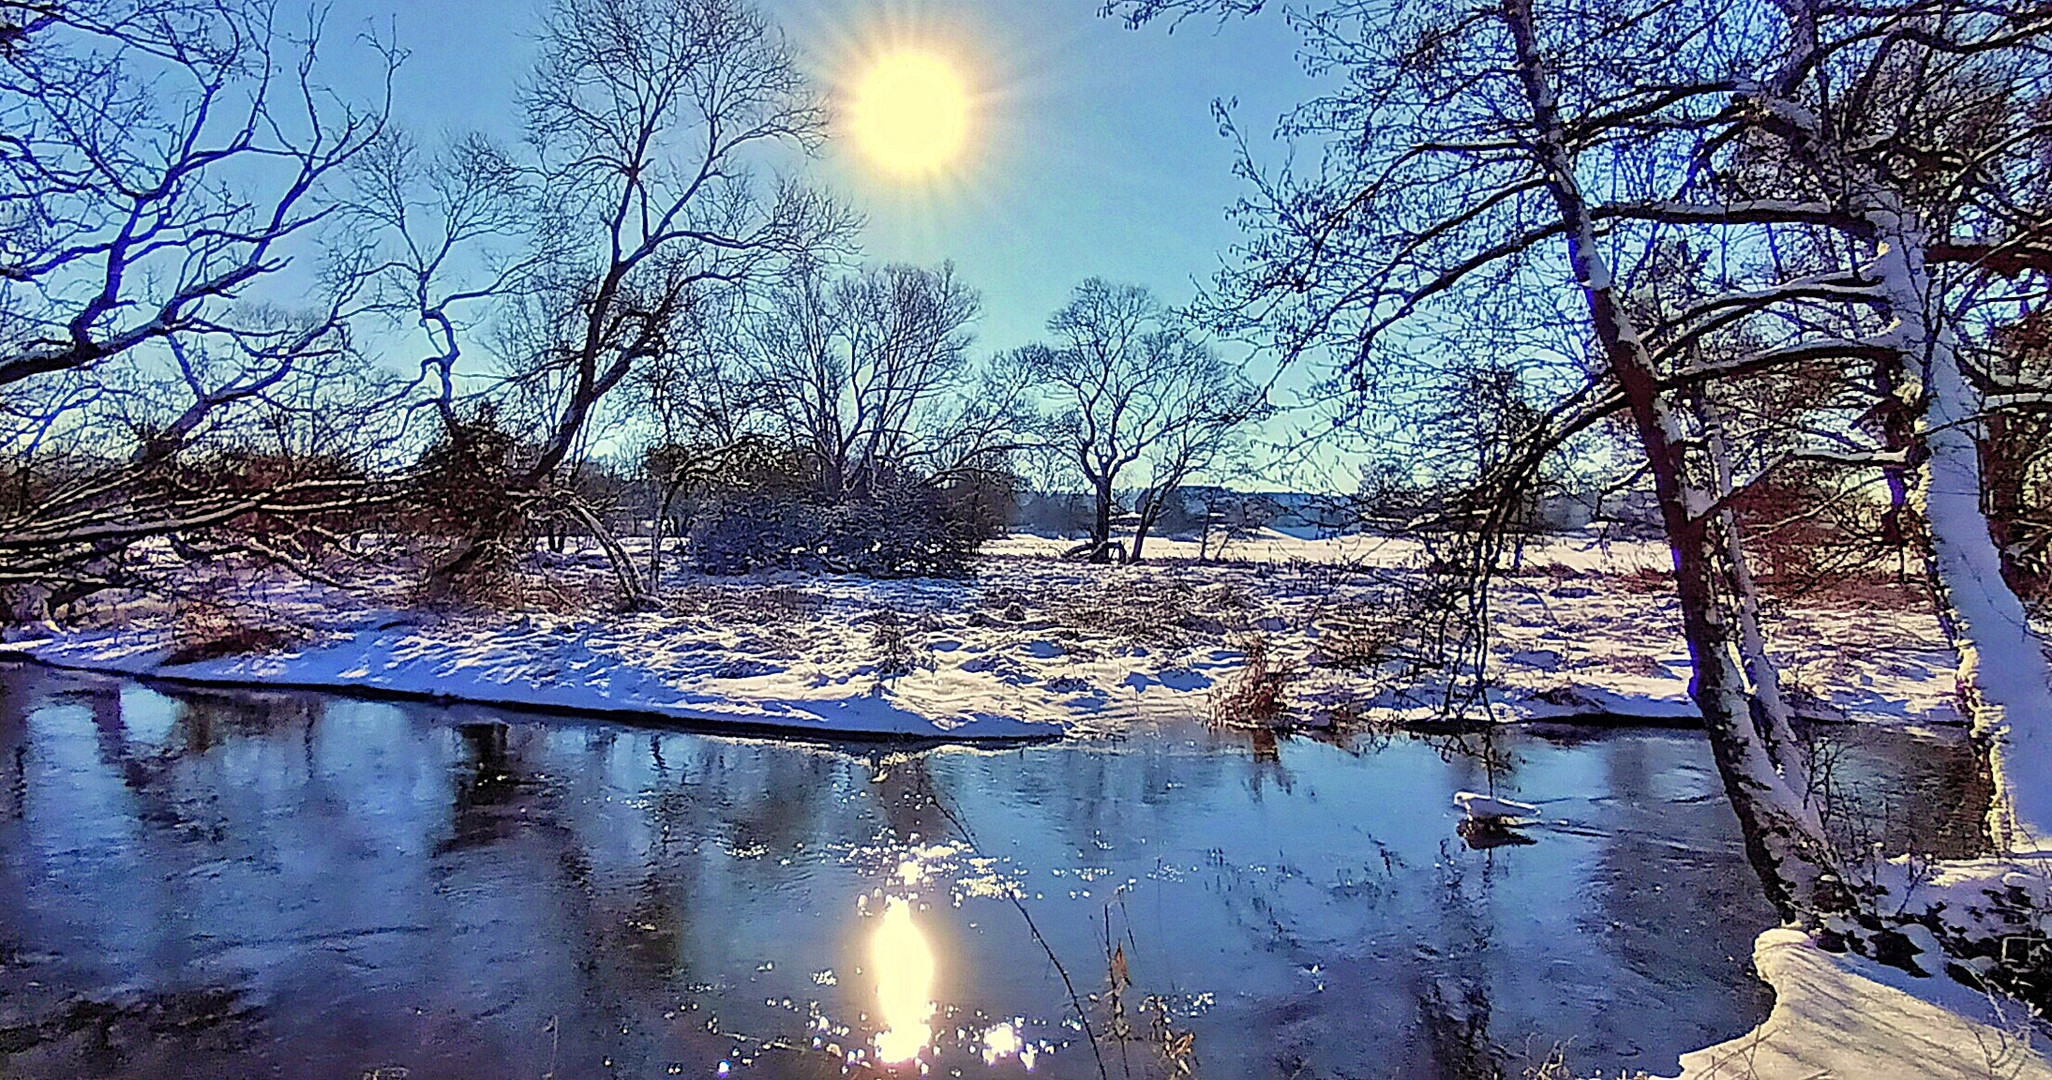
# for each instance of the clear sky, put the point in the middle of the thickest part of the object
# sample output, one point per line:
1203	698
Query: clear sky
1092	149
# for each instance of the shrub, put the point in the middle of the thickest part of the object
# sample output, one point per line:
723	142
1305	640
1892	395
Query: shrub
210	632
735	533
1254	695
893	654
461	500
902	531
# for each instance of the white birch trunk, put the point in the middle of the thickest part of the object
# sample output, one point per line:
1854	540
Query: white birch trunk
1783	748
2005	679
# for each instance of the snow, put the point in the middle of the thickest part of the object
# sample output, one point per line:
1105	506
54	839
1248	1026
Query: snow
1032	646
580	666
1488	807
1845	1016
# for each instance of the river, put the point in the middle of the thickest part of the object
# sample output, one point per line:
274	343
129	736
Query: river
208	884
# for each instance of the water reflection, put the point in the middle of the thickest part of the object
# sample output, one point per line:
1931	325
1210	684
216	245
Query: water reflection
903	965
292	886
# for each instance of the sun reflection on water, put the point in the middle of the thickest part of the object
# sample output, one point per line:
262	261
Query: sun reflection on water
904	968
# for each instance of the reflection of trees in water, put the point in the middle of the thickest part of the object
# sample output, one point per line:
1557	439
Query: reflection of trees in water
1674	914
1088	794
517	839
773	800
166	1015
495	794
1268	766
1424	1013
1480	757
1454	1010
147	1033
907	790
1908	793
204	718
19	683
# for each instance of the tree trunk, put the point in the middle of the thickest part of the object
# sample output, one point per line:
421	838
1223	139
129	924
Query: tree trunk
632	596
1150	512
2005	683
655	540
1777	721
655	547
2004	464
1783	840
1101	524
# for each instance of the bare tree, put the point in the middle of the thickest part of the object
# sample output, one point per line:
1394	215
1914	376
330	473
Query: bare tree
1462	146
859	368
443	240
161	163
705	414
1128	384
1820	162
1944	203
645	118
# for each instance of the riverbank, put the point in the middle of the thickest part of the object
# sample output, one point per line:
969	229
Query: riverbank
1030	647
1846	1016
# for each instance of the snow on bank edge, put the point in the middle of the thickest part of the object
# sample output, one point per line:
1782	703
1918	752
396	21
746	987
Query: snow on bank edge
1031	646
1846	1016
536	665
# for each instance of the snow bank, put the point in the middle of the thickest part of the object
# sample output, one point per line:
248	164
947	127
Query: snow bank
578	666
1845	1016
1032	646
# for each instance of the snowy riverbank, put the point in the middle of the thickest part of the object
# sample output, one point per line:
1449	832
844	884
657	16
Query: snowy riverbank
1030	647
1846	1016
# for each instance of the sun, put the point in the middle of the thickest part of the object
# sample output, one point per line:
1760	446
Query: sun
910	113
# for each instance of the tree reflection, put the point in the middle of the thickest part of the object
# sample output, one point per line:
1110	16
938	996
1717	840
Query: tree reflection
467	894
492	789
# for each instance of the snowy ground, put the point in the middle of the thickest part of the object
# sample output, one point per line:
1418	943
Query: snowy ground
1031	646
1848	1017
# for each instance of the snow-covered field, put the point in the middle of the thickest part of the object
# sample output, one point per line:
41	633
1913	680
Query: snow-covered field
1032	646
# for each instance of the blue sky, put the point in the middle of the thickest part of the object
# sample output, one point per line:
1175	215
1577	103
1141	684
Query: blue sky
1093	149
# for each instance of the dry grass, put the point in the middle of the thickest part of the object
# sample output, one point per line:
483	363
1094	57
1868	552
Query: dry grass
1645	581
1253	696
1155	609
1553	1065
208	631
1355	636
751	605
894	655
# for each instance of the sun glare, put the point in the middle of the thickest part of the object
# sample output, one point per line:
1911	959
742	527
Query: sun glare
904	967
911	113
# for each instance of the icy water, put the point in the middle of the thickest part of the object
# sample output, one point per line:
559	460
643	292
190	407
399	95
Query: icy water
220	886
